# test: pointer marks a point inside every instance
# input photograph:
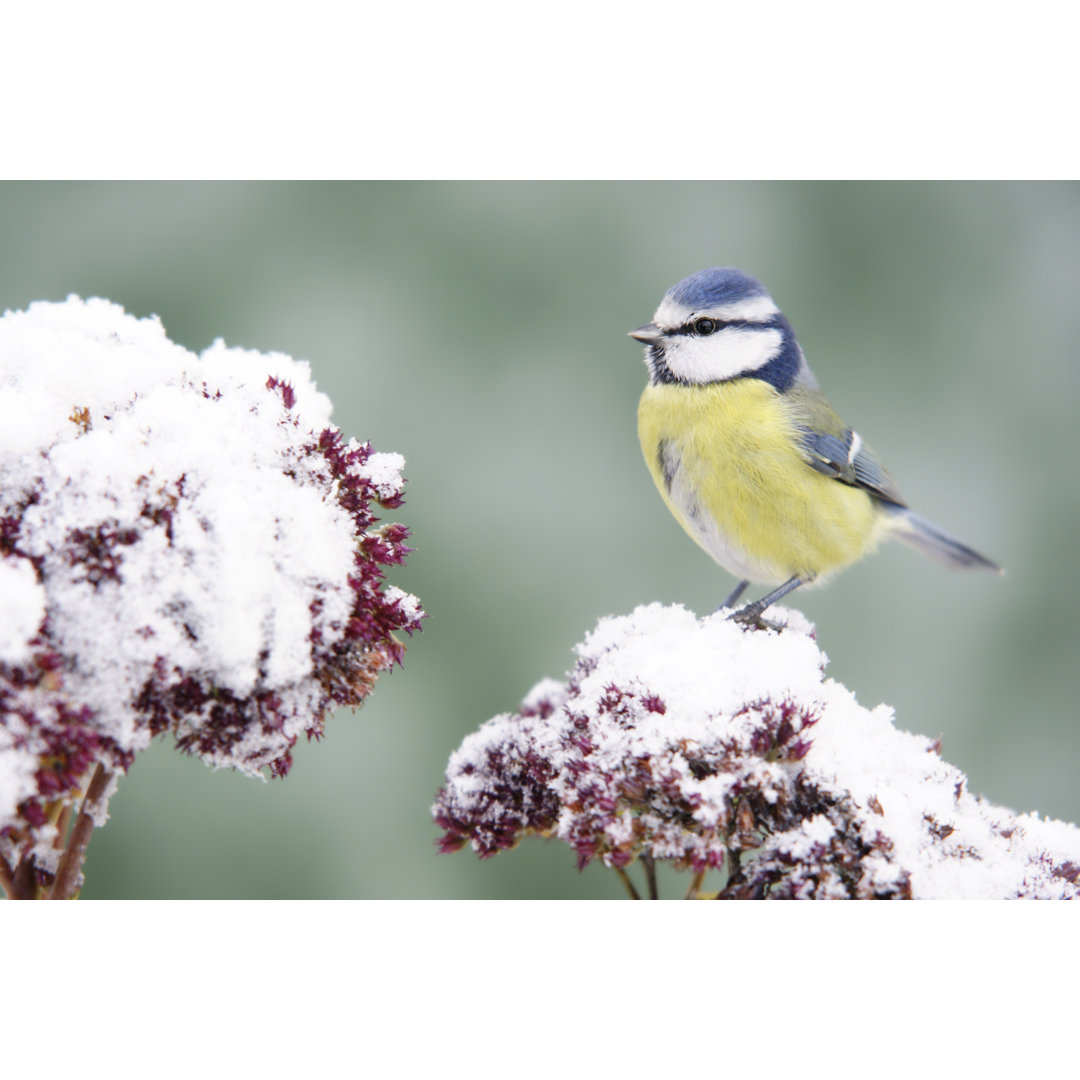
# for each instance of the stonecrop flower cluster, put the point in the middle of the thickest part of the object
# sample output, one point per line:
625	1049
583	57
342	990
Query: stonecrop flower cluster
187	544
717	748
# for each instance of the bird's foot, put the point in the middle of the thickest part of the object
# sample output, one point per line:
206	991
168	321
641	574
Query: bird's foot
750	616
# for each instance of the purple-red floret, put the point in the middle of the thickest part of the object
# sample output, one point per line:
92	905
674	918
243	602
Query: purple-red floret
96	552
1070	871
280	767
288	394
33	812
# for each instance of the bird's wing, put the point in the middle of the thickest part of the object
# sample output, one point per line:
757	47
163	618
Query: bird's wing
835	450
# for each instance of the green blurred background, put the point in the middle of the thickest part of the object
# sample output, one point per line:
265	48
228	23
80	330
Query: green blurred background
480	330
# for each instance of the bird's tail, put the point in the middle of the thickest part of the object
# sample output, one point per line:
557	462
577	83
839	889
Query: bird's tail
936	542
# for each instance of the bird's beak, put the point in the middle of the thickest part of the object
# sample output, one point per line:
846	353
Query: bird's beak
649	334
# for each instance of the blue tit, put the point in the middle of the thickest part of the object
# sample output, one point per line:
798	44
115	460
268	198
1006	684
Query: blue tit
748	454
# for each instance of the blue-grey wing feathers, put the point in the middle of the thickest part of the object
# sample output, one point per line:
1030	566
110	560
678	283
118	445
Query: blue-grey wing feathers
847	459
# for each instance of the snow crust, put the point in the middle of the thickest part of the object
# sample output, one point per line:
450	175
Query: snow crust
22	607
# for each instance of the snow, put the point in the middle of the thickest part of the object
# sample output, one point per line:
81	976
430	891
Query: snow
722	741
384	472
22	608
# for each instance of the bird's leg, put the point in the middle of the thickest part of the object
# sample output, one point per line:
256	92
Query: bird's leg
751	613
735	594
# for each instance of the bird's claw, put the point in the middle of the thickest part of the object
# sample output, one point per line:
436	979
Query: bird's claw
750	616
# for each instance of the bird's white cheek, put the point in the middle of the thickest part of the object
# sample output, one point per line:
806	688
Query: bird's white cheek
723	355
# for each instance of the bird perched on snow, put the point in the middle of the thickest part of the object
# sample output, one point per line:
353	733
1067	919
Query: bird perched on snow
748	454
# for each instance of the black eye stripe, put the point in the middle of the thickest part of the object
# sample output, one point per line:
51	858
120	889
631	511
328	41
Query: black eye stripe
688	329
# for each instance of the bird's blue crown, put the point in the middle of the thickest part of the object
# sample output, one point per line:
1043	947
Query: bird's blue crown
717	286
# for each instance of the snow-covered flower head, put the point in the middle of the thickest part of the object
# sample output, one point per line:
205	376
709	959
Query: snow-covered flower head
714	747
187	544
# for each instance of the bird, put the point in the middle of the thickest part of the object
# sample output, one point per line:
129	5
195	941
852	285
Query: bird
749	455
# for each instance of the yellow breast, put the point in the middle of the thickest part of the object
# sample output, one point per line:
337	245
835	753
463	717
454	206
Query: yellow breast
725	459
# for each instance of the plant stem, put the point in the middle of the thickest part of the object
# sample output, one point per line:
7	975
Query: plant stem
24	882
67	873
650	876
62	824
734	869
7	877
695	885
624	877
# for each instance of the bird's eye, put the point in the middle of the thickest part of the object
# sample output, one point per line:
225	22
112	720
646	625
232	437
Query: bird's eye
705	327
